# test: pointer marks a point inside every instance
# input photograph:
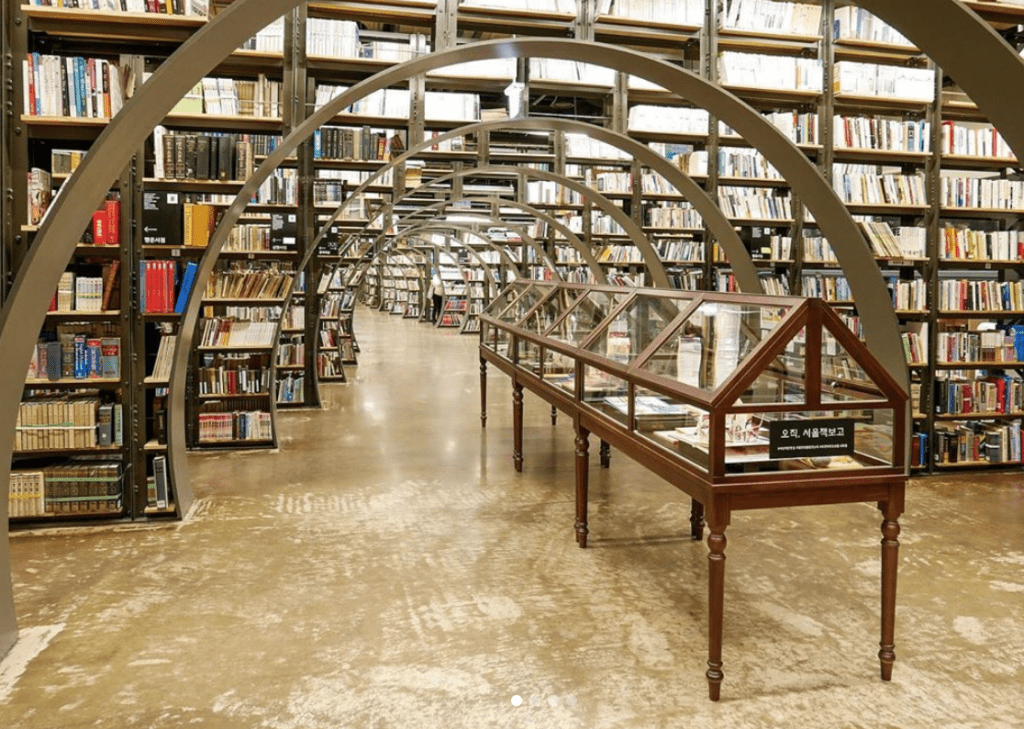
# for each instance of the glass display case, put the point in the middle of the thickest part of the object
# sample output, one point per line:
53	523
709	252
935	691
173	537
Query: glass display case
740	401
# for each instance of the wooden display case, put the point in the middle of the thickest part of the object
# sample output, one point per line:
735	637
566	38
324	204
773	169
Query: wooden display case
742	402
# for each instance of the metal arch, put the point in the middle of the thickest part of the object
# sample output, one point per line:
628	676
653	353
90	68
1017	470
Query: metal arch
636	235
24	312
541	253
970	51
737	253
451	226
585	251
484	265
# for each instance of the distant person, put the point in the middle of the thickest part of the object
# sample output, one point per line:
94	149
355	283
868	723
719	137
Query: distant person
436	295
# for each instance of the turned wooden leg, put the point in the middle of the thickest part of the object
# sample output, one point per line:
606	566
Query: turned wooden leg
554	415
716	598
582	483
605	452
483	393
890	553
517	426
696	520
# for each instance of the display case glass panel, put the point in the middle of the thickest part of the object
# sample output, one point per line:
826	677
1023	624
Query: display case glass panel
723	334
545	315
522	305
631	331
590	311
506	298
606	393
842	377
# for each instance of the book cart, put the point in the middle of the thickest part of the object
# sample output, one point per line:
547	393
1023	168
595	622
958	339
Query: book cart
740	401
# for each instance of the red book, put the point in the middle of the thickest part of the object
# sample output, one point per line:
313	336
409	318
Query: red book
169	287
152	288
31	77
113	211
99	228
53	302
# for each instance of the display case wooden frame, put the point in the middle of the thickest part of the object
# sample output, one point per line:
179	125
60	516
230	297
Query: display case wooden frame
716	487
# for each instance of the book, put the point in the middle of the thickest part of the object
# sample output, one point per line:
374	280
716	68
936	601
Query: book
186	287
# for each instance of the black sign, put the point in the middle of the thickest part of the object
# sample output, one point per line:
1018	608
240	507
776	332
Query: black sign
330	243
284	229
161	218
810	438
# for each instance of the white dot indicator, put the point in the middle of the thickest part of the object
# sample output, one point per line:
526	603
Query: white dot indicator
535	700
517	700
552	701
570	700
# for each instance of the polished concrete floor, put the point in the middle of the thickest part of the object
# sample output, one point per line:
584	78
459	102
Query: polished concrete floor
388	568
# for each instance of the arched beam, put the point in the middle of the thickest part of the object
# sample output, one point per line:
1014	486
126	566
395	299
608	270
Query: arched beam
24	312
651	259
719	225
585	251
542	255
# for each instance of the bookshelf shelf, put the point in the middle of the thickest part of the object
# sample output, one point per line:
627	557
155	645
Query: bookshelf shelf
153	446
882	156
782	96
239	348
233	395
83	315
879	103
216	122
112	450
101	382
950	212
979	365
250	301
986	314
952	417
963	161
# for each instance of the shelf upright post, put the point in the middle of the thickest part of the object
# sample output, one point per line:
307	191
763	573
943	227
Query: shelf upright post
709	70
446	29
301	96
583	26
417	110
558	147
134	402
619	111
16	138
933	181
7	111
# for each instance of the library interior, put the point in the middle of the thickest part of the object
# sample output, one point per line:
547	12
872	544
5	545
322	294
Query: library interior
448	363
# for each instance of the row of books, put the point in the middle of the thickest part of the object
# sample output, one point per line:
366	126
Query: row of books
755	203
915	344
395	103
247	283
93	488
238	425
975	192
76	355
853	23
158	282
732	162
71	86
976	443
907	295
906	242
619	254
995	394
988	346
874	185
58	423
828	288
611	181
76	292
959	295
259	98
974	140
891	82
230	332
964	244
291	389
328	364
248	237
236	378
362	143
164	7
675	215
202	156
294	317
772	16
680	12
65	161
881	133
291	351
549	192
775	72
164	358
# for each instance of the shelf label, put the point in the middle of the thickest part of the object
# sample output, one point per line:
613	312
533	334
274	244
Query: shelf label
175	253
810	438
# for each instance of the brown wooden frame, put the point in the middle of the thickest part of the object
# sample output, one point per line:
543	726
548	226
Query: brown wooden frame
715	494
